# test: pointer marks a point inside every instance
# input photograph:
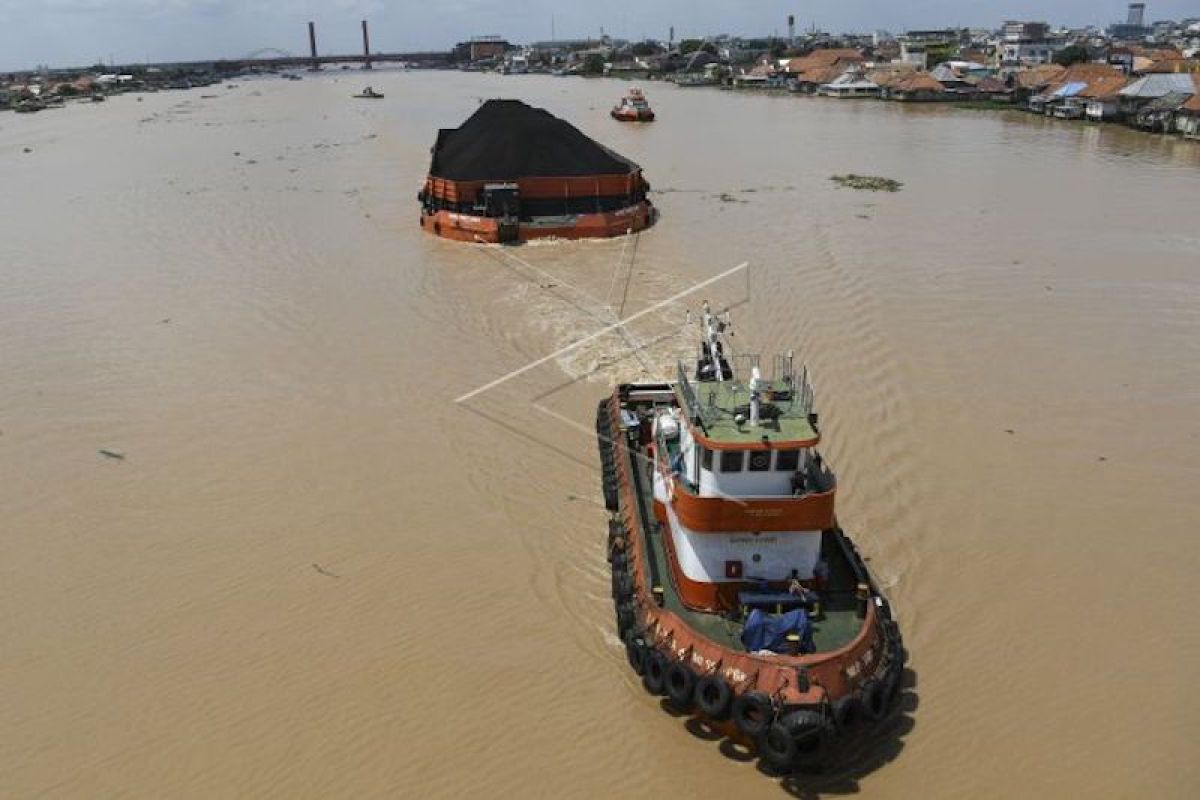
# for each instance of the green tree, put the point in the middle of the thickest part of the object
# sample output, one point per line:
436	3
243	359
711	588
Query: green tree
644	48
1075	54
593	64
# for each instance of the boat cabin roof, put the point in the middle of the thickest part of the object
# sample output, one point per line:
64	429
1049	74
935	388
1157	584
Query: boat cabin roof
785	405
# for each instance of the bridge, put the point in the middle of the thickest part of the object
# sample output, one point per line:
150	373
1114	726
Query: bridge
274	58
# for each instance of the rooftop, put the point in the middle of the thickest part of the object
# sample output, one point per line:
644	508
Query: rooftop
785	405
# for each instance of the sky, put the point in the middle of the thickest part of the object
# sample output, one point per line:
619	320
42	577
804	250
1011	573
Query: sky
79	32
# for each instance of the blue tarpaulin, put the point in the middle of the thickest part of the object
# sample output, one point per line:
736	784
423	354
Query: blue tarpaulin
769	631
1070	90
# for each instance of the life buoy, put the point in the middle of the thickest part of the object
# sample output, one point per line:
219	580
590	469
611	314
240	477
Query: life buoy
714	697
655	676
874	700
681	685
753	712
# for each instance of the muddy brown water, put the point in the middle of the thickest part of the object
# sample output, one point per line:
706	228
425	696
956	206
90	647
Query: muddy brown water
314	574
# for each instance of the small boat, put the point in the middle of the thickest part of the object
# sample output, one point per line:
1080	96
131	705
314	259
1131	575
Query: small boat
369	94
633	108
739	598
99	98
29	106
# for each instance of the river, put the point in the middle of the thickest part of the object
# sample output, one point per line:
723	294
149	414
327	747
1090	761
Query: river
314	574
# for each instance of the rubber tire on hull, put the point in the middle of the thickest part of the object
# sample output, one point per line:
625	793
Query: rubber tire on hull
874	700
604	444
655	676
811	732
714	697
846	711
681	685
622	585
795	738
753	712
635	652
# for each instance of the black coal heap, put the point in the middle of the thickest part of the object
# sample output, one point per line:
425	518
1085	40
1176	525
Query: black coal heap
507	139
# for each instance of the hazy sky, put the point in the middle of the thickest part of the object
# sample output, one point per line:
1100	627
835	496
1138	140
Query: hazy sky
71	32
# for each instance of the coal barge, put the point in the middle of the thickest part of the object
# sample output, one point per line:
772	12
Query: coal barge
738	596
511	173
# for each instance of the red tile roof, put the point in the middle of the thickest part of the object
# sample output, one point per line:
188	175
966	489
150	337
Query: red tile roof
918	82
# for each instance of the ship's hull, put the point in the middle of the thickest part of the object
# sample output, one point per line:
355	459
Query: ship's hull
632	116
791	708
493	230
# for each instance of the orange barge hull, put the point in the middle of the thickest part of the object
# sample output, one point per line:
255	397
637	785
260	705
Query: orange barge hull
489	230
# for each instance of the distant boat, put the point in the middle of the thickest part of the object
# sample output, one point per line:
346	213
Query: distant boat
633	108
29	106
369	94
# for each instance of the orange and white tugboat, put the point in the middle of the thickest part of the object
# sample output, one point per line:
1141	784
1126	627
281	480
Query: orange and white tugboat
633	108
738	596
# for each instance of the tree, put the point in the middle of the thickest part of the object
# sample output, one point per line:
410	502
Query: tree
692	45
645	48
593	64
1075	54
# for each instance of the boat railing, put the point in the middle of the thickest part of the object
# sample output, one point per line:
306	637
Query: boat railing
791	393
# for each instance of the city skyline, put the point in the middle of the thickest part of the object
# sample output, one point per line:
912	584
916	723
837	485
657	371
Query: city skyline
79	32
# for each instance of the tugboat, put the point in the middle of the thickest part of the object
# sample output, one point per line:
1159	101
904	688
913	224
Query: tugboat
633	108
738	596
369	94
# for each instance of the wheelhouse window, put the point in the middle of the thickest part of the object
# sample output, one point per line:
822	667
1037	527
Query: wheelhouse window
760	460
731	461
787	460
706	458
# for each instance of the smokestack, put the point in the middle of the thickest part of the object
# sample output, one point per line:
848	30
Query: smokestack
366	46
1137	13
312	43
791	29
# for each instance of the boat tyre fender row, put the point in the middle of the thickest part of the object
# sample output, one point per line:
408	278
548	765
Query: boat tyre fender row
608	469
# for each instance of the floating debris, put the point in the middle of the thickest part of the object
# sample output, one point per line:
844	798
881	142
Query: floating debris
116	455
871	183
324	571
